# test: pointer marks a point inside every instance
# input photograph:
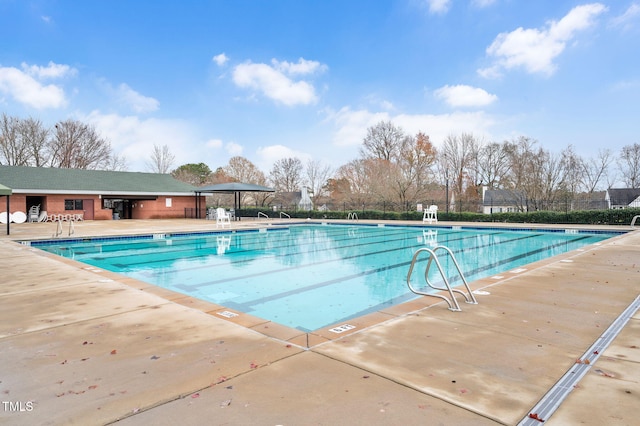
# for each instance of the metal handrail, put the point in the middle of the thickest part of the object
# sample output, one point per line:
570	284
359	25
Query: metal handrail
284	214
352	216
633	221
263	214
58	228
433	257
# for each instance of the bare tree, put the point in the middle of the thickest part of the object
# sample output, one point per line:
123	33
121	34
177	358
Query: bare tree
35	138
412	169
493	165
77	145
13	151
357	173
161	159
629	164
116	163
286	175
382	141
317	176
242	170
520	151
573	167
458	156
595	169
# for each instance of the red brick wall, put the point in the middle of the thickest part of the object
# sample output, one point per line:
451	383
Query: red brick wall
158	209
145	209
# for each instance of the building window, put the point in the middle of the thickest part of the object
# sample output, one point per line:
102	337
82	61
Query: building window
73	205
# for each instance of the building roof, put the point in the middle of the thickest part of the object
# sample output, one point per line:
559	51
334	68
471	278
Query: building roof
502	197
623	196
4	190
48	180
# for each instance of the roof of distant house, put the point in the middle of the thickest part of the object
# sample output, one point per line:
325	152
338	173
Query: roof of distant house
47	180
623	196
502	197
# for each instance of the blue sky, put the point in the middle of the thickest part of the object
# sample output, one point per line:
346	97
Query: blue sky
267	79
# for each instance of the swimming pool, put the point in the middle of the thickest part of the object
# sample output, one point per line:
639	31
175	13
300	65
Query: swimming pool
311	276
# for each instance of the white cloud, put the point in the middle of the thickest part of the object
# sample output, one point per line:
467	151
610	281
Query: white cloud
137	102
134	138
626	20
275	81
220	59
439	126
380	103
51	71
214	143
438	6
268	155
483	3
301	67
535	49
351	126
234	149
465	96
25	88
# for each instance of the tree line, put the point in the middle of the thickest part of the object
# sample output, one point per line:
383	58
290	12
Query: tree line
393	168
69	144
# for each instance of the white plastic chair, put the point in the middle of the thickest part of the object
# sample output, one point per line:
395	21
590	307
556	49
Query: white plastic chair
431	214
222	217
34	213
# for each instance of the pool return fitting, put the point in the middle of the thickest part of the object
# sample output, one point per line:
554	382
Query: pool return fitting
433	258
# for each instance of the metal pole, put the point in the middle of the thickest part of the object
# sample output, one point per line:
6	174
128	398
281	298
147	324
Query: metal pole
447	196
8	218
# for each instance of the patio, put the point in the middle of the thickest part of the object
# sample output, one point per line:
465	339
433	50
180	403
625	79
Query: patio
83	345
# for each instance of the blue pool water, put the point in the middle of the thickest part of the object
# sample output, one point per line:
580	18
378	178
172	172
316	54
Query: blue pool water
311	276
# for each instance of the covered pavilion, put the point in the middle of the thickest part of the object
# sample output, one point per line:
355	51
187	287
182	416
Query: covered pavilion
235	188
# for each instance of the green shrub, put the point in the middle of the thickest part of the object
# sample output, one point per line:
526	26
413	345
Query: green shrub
582	217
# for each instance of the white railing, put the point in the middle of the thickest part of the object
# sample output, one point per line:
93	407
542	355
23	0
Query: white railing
260	214
633	221
352	216
284	214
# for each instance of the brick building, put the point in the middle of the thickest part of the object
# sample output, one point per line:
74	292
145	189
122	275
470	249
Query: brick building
98	194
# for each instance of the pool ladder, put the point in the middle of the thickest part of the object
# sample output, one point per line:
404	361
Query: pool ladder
433	258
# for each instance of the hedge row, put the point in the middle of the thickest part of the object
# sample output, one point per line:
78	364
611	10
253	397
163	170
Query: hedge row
582	217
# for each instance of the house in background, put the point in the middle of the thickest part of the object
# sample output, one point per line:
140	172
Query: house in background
623	198
502	201
98	194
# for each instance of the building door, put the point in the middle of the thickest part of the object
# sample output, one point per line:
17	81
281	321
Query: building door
87	207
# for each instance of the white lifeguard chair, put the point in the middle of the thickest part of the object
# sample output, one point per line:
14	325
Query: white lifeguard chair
430	215
222	217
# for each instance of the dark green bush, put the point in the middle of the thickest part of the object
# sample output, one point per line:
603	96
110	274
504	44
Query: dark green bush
583	217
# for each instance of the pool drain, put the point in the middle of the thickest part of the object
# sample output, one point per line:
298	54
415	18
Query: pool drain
552	399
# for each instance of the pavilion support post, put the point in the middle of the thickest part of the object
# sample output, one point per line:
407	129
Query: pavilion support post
8	218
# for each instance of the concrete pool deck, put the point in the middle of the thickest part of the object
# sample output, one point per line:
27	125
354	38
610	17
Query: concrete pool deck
80	345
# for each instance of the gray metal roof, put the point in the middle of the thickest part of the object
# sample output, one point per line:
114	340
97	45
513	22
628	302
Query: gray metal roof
4	190
623	196
24	179
235	187
502	197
